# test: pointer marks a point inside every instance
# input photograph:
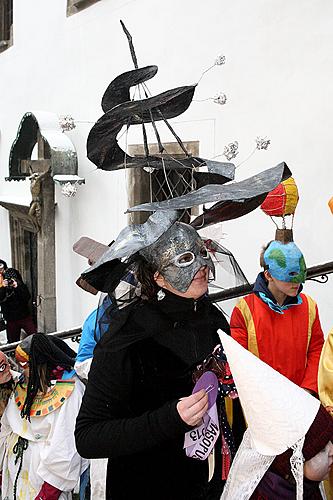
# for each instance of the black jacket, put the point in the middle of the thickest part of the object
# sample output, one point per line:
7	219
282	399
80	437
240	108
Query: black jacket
129	410
14	302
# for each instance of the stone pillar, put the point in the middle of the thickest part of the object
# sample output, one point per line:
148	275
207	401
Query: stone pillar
46	311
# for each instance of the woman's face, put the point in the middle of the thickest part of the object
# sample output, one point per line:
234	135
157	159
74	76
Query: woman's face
197	288
178	255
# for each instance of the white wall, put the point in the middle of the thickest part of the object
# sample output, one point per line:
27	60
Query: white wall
277	78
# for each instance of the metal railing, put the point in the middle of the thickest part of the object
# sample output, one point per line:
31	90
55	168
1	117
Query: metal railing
73	333
316	273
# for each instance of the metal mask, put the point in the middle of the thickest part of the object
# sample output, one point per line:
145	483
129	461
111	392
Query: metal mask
285	262
178	255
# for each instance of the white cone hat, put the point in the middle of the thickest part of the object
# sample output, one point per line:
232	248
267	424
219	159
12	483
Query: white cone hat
277	411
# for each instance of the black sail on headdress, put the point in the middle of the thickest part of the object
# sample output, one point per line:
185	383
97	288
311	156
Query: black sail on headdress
230	199
113	271
122	111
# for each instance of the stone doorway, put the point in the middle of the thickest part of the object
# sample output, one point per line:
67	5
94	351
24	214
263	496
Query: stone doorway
33	256
42	154
32	228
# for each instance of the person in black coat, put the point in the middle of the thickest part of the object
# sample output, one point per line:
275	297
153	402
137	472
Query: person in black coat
15	303
138	404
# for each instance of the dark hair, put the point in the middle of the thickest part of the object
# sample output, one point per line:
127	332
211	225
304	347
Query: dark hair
145	275
261	258
45	354
4	264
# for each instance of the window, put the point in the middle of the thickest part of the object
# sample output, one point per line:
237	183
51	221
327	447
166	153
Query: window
158	185
6	24
75	6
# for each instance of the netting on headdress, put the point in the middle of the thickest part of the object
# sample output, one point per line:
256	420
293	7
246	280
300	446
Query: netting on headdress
247	470
121	286
249	467
127	291
228	273
296	462
123	282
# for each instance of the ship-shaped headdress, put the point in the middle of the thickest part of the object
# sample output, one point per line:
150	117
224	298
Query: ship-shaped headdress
204	181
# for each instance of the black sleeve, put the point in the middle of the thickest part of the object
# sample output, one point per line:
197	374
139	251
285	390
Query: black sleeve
3	294
22	292
103	427
220	321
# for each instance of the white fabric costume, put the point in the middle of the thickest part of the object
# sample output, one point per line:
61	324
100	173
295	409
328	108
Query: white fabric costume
98	466
278	415
51	454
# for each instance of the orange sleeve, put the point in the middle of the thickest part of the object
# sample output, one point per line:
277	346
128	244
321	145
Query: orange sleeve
310	380
238	327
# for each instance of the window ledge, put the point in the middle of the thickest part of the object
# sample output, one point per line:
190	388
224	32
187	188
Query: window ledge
75	6
5	44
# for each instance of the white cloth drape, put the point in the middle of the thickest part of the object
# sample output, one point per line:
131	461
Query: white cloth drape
51	455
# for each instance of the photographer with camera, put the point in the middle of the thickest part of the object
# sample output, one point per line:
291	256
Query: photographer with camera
14	302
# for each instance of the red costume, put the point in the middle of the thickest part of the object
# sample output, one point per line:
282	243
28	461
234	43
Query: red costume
290	342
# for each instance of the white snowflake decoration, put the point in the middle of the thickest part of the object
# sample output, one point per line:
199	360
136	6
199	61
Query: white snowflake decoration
231	150
67	123
69	189
220	60
262	142
150	170
220	98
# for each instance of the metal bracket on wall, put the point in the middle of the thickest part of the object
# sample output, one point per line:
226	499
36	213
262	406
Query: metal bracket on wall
320	279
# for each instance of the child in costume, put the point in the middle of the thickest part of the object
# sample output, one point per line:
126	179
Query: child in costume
277	322
39	457
287	448
325	386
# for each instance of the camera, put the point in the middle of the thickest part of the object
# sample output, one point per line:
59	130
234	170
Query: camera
10	277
